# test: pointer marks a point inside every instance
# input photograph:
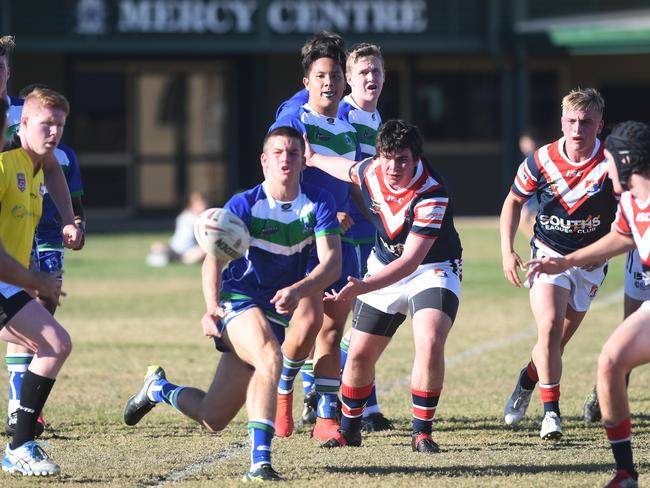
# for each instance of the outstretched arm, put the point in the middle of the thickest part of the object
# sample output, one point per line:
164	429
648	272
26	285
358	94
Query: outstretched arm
336	166
607	246
328	248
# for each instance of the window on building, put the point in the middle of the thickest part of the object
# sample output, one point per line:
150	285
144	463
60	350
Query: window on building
457	106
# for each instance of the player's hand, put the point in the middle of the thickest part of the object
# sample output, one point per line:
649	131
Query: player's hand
546	265
286	300
209	321
309	152
352	288
79	224
512	262
48	286
72	236
345	221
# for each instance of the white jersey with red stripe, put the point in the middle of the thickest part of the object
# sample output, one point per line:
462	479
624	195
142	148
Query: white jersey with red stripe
422	208
633	220
577	203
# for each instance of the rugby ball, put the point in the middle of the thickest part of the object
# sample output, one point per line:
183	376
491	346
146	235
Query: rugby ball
222	234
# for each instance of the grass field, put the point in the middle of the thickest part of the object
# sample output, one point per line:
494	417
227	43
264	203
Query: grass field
123	316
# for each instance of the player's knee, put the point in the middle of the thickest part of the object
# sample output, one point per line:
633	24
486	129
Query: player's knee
213	423
62	344
609	361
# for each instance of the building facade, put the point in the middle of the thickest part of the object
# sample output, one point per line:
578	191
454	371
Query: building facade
170	96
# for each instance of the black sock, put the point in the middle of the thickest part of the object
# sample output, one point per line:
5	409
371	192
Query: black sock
33	395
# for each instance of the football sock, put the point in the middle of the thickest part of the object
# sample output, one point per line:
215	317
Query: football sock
344	346
528	377
261	434
307	374
372	406
424	409
353	402
328	392
33	395
550	395
17	364
163	391
290	369
620	439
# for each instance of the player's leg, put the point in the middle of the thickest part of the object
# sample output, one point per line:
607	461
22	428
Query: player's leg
31	326
298	344
327	364
372	331
626	348
637	290
549	304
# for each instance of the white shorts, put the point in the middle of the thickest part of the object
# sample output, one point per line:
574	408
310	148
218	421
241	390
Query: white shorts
395	298
637	281
583	285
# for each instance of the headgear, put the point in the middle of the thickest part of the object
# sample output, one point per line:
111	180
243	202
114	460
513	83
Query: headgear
629	144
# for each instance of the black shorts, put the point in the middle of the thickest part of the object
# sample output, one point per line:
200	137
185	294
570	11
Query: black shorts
373	321
12	305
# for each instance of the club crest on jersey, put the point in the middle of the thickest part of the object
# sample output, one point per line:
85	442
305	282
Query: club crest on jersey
591	187
42	190
21	181
348	140
440	273
286	207
330	120
593	291
375	206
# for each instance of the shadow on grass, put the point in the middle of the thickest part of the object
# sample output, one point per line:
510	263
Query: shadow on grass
463	471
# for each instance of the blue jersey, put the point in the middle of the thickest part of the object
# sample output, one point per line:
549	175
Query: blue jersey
330	136
293	105
367	125
282	236
48	232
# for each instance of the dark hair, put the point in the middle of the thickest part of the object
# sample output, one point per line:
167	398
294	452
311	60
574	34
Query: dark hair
326	47
397	134
7	45
27	89
323	37
286	131
629	144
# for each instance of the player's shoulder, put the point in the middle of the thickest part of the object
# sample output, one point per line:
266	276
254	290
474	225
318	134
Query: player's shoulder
293	119
16	102
316	194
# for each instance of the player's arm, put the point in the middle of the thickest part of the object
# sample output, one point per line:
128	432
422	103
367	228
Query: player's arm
336	166
609	245
57	187
79	220
508	224
415	250
211	284
328	249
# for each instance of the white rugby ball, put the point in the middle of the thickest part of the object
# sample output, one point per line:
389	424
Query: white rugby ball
222	234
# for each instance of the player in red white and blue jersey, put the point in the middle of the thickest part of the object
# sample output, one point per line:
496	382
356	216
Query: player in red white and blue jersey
249	304
576	207
628	153
317	326
415	266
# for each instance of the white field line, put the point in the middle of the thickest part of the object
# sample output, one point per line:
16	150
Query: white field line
195	468
237	448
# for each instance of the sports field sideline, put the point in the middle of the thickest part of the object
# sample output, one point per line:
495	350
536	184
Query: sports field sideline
123	316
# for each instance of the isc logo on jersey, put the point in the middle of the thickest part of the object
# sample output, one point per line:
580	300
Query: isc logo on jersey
642	217
586	226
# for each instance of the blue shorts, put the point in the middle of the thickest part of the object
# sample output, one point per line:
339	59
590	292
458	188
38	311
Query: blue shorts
350	265
50	261
236	306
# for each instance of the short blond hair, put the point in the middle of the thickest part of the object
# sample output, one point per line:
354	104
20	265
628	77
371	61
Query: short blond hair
363	50
7	45
583	99
46	97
